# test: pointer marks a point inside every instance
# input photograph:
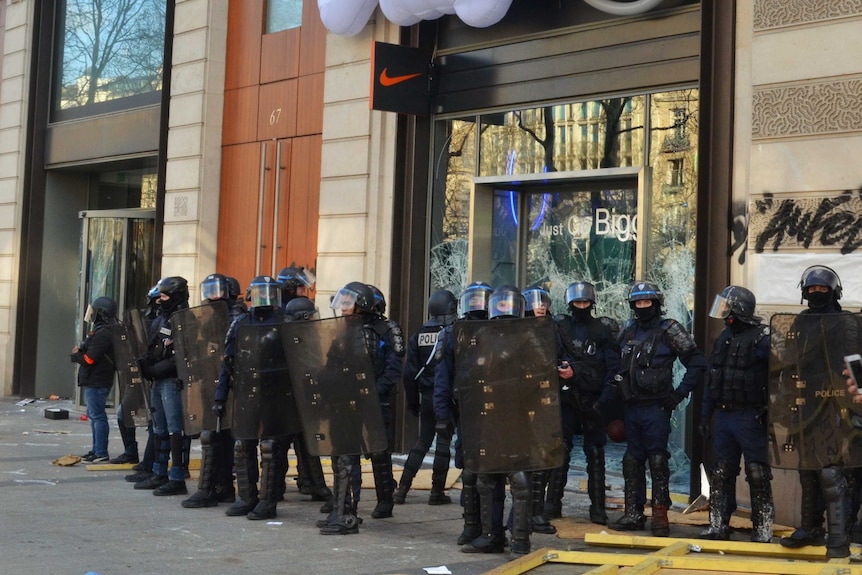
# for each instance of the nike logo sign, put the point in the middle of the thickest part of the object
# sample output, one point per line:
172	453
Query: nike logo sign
386	80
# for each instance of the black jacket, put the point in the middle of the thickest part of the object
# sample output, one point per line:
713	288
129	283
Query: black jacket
96	358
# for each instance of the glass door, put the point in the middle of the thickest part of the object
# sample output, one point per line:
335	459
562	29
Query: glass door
116	259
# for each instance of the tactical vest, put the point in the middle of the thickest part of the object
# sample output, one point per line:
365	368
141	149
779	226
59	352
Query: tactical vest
645	380
735	377
427	342
588	365
378	333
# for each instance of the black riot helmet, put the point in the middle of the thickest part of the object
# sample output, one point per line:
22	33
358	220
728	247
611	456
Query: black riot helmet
379	306
506	301
580	291
102	310
215	288
474	300
300	309
535	296
735	302
355	297
293	277
820	276
645	290
263	292
152	302
442	307
233	289
177	289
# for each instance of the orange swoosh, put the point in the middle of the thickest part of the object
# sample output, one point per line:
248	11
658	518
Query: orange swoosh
386	80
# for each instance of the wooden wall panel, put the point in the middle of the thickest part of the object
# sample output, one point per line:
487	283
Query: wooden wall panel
244	31
239	107
267	247
279	57
304	206
309	98
312	44
238	212
277	110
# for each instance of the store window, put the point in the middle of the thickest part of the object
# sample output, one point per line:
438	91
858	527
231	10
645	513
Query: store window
110	55
120	189
282	15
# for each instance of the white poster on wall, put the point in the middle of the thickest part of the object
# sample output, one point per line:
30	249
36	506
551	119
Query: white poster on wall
775	276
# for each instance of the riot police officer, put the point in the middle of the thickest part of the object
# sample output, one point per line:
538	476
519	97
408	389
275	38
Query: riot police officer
254	503
385	347
649	346
418	383
95	358
159	365
474	306
736	392
296	282
823	490
591	344
215	484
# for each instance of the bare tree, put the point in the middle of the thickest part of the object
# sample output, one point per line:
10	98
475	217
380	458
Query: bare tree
112	49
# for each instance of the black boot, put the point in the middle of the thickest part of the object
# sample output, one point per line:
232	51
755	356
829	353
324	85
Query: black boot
384	484
206	495
161	455
537	504
520	486
596	484
439	472
411	466
319	490
557	479
470	504
660	472
245	460
838	504
489	541
634	473
175	486
719	493
810	532
271	473
223	478
345	521
759	478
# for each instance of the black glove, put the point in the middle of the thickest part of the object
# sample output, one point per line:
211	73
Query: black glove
672	400
146	368
705	429
597	409
761	415
443	430
219	408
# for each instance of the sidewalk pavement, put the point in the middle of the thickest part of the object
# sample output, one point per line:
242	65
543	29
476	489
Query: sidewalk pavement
71	520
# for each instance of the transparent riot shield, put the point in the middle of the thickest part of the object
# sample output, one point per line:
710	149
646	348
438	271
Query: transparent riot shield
811	415
134	394
335	386
263	399
199	335
507	389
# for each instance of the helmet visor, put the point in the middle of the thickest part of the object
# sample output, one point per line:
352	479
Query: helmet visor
506	304
474	300
264	295
537	301
344	301
214	290
720	307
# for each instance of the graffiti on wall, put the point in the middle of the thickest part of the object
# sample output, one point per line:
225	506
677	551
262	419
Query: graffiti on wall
738	231
808	223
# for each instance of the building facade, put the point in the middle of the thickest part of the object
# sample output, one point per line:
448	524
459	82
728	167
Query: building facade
697	144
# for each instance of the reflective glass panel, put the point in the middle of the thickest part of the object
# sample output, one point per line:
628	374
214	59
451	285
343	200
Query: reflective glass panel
564	137
283	14
109	49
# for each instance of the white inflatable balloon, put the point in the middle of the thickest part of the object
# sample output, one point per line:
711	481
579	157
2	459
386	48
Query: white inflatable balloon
346	17
624	8
481	13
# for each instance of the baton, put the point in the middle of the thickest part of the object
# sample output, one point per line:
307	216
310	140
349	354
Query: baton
218	424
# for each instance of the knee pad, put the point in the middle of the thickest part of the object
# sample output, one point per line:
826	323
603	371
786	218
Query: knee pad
519	484
833	482
725	472
757	474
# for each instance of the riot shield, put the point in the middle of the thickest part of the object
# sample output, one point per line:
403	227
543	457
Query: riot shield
811	415
335	386
508	393
199	334
134	394
263	399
